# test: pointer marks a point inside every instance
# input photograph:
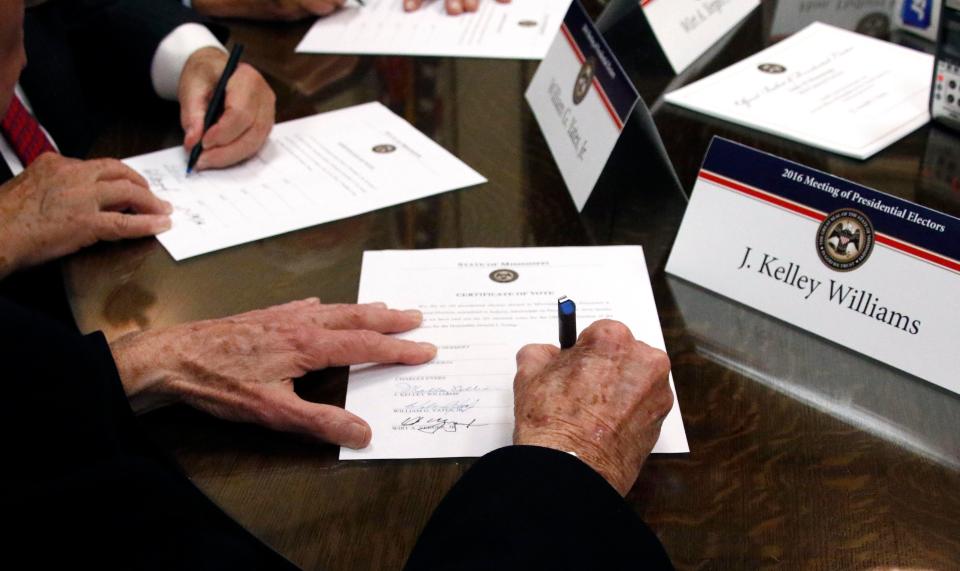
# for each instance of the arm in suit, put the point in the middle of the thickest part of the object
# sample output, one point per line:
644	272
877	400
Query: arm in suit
534	506
81	483
89	58
528	507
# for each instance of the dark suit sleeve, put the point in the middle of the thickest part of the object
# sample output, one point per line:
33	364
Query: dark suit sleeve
120	36
81	485
527	507
62	399
90	59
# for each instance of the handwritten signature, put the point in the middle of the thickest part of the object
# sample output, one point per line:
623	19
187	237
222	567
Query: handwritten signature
435	425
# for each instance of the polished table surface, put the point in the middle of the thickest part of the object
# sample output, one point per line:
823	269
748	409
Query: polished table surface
804	454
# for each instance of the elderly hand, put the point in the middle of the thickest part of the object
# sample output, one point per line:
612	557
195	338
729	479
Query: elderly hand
248	116
242	368
267	9
59	205
454	7
603	399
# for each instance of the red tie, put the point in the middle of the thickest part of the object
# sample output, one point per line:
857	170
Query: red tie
24	134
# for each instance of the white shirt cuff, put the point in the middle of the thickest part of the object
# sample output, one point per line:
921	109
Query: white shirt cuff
172	55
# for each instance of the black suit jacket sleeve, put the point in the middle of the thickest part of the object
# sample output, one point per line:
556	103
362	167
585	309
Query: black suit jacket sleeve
81	485
88	58
526	508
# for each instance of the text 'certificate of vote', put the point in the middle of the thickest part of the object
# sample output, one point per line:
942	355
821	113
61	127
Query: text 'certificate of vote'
311	170
480	306
826	87
522	29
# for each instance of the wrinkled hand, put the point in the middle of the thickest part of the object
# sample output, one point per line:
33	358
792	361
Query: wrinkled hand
242	368
267	9
603	399
248	116
57	206
454	7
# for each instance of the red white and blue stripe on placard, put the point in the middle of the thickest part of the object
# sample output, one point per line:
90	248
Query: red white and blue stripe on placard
614	87
761	176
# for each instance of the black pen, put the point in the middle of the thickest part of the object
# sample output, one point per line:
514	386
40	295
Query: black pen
567	313
215	109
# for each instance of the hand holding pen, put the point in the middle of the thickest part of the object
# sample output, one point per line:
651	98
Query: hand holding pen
227	109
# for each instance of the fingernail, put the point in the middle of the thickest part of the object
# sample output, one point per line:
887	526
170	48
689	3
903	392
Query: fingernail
167	207
409	5
456	6
164	225
358	435
414	313
429	347
376	304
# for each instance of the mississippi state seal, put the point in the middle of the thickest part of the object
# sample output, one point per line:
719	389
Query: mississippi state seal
845	239
504	276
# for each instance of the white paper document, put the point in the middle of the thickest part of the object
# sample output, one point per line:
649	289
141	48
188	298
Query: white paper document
480	307
871	17
311	170
825	87
522	29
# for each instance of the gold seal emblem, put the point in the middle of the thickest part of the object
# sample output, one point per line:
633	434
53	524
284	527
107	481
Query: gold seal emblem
845	239
584	80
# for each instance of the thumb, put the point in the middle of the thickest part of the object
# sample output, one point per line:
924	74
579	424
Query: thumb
321	421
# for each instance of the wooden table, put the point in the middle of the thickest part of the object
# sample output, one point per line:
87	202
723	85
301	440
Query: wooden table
804	455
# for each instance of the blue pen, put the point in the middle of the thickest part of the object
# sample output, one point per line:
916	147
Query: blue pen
567	313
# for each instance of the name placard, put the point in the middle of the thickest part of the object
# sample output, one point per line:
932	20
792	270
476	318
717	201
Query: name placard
869	271
581	99
685	29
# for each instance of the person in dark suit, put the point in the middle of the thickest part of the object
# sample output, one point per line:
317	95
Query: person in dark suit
83	485
87	56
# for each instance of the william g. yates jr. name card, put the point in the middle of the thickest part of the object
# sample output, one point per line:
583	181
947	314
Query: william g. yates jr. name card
581	98
869	271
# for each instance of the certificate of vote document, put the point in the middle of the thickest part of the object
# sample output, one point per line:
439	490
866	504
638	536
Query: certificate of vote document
823	86
310	171
480	306
522	29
